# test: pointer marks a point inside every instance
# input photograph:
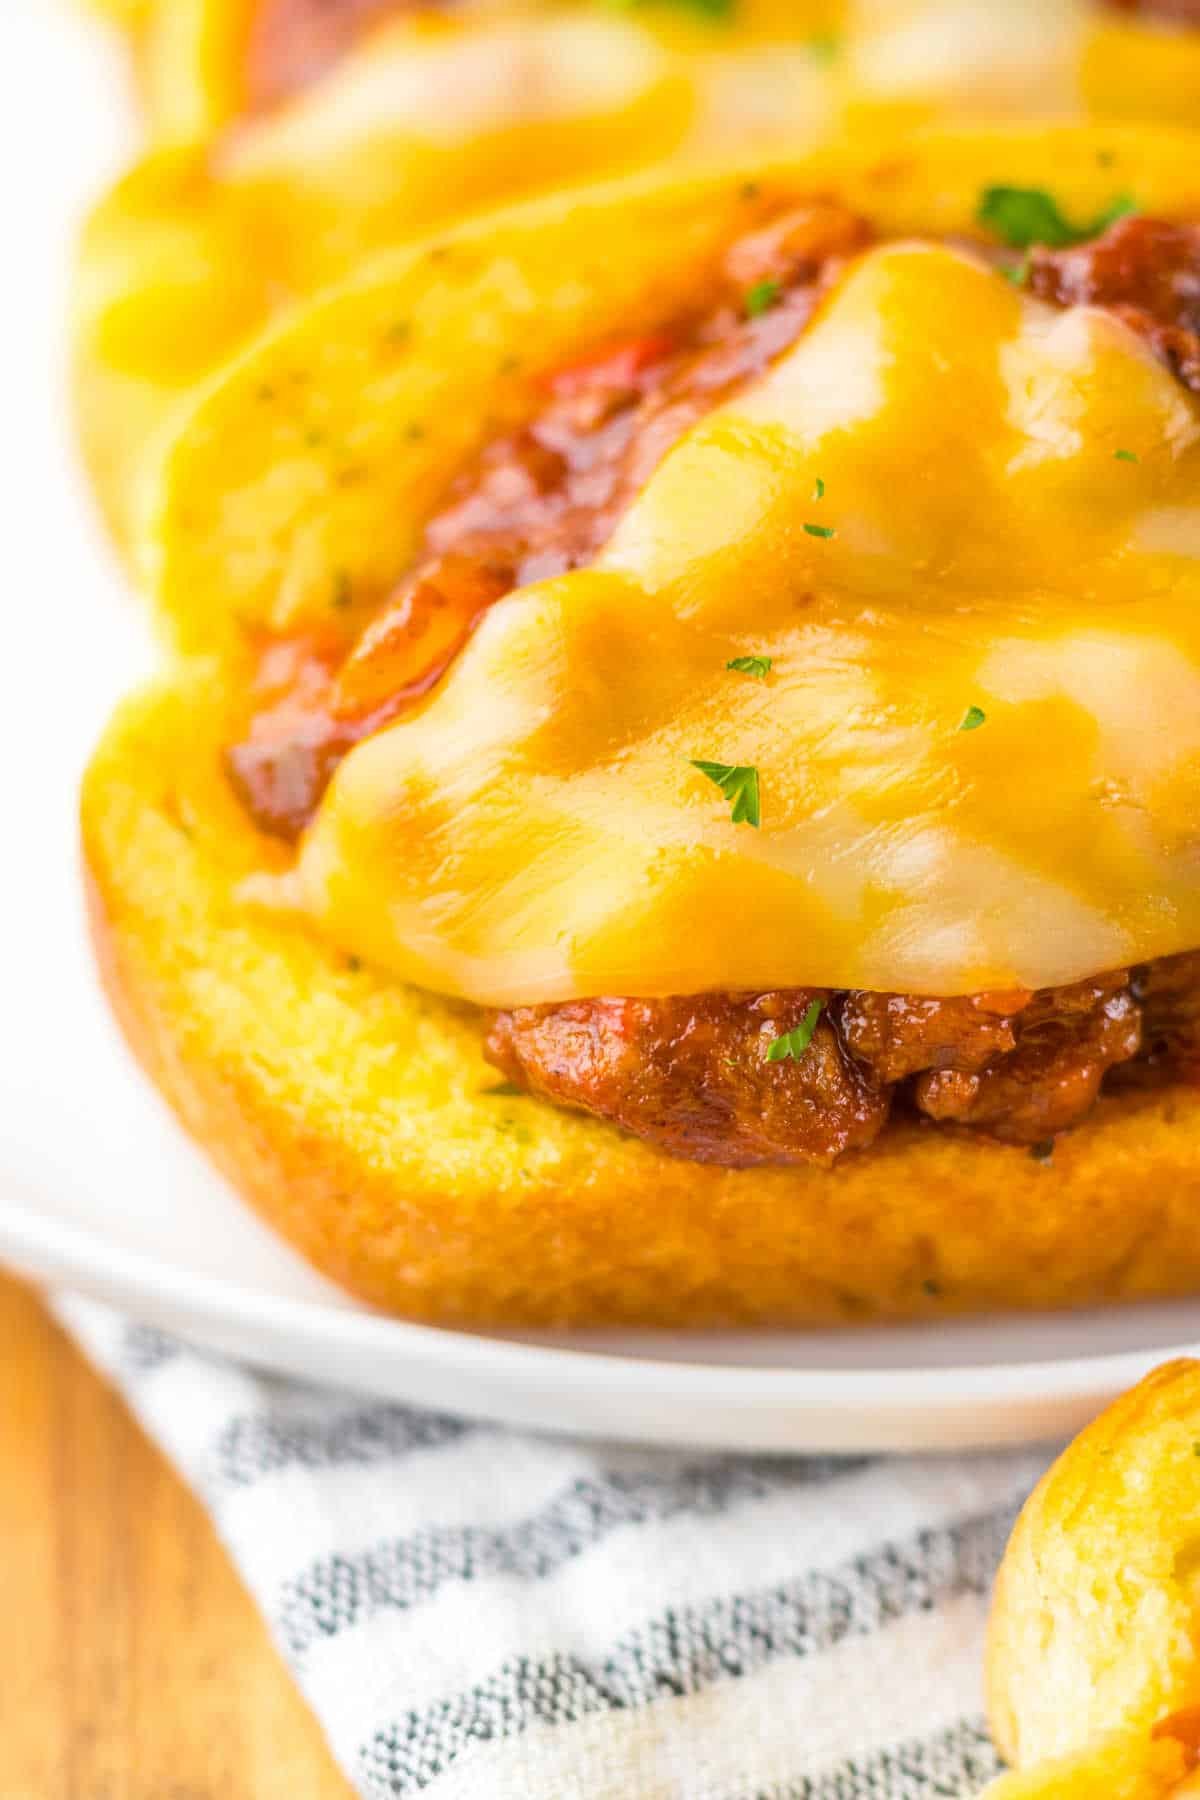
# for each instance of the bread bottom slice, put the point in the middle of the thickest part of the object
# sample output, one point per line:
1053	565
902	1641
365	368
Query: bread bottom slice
358	1115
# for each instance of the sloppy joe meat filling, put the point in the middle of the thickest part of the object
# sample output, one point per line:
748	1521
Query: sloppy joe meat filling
537	502
1146	272
1169	12
692	1074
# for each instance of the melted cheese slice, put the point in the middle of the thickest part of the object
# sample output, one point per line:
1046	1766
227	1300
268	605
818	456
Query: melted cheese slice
428	86
909	60
448	86
1020	58
537	831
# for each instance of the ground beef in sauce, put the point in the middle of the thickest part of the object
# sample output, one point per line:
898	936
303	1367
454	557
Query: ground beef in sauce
1169	12
1144	271
538	502
1168	994
1065	1041
691	1073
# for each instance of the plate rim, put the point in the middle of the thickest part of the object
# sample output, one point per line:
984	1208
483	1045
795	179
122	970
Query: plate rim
65	1254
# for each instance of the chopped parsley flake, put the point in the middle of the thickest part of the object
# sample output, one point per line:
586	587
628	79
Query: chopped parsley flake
739	784
761	298
821	531
973	718
1120	208
794	1043
1025	216
704	9
819	489
824	46
1124	456
757	666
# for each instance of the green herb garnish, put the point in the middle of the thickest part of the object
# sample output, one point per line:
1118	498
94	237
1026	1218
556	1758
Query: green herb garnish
973	718
707	9
1124	456
1025	216
761	298
819	489
757	666
739	784
824	45
821	531
794	1043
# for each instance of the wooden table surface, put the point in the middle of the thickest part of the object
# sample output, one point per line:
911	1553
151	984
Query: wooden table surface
132	1664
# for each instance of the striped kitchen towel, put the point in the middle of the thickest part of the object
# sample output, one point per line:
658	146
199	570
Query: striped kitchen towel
477	1614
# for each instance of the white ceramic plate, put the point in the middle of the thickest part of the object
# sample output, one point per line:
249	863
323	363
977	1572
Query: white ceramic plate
115	1202
100	1191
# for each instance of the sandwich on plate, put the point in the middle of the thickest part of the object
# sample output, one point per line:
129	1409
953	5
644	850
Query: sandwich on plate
677	799
290	143
293	138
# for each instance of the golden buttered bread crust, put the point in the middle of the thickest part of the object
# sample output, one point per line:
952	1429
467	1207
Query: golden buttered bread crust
1093	1667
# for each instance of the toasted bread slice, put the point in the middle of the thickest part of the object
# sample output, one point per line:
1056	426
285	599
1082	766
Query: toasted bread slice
1093	1676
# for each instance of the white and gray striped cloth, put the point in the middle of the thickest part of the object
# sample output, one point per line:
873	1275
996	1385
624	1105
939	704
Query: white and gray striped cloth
476	1614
